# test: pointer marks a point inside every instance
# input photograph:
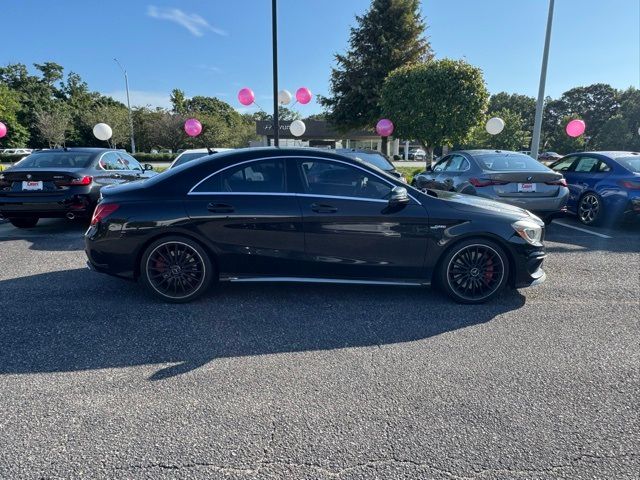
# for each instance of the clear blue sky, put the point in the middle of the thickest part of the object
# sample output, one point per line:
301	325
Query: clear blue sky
215	47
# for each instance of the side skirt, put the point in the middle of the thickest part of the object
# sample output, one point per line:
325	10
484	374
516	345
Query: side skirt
324	280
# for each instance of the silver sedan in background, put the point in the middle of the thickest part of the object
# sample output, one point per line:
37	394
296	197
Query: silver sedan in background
508	177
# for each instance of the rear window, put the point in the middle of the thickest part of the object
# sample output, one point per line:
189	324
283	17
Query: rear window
509	162
374	159
187	157
630	163
57	160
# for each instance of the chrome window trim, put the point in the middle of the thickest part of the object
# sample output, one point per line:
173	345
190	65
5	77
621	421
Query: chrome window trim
191	192
290	194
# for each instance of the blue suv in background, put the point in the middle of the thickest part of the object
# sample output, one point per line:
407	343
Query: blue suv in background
603	186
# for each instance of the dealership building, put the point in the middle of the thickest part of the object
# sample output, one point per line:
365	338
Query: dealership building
319	134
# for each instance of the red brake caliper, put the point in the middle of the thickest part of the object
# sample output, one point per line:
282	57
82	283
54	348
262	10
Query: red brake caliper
488	273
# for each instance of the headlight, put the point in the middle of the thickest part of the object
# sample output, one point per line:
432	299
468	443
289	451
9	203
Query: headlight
529	231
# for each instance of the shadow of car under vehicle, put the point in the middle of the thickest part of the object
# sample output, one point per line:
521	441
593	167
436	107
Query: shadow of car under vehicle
54	235
76	320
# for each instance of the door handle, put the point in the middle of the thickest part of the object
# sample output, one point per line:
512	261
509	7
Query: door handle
323	208
219	208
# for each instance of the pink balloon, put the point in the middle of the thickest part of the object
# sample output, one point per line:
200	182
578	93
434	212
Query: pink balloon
303	95
3	129
246	96
384	127
193	127
575	128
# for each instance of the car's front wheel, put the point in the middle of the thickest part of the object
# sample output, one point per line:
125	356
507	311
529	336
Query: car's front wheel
474	271
176	269
27	222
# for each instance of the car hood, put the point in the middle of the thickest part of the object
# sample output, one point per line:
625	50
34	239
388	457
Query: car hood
471	203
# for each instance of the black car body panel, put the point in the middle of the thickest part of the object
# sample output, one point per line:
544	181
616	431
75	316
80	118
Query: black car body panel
299	233
59	187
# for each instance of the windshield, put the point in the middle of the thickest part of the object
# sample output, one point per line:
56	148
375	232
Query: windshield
57	160
630	163
509	162
187	157
375	159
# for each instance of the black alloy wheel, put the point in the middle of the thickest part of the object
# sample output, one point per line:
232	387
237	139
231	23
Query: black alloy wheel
176	269
474	271
590	209
26	222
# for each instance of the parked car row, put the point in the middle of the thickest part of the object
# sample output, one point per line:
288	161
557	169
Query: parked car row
592	185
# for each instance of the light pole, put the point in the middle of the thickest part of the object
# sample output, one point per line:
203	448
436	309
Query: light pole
274	39
537	127
126	83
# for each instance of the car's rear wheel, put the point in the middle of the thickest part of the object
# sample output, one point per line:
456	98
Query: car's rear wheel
590	209
176	269
27	222
474	271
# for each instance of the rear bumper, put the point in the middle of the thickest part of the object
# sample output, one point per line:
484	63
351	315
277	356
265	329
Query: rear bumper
46	206
539	205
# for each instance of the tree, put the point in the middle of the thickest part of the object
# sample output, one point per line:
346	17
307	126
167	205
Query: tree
522	105
116	116
436	103
17	135
515	136
178	101
620	132
53	124
388	36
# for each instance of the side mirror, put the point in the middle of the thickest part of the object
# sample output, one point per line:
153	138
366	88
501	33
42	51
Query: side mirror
398	196
147	166
429	168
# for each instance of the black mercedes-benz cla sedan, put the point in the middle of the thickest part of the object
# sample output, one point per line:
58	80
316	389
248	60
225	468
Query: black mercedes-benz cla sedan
307	215
63	182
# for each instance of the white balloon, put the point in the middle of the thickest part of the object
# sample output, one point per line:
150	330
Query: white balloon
284	97
102	131
495	125
297	128
638	131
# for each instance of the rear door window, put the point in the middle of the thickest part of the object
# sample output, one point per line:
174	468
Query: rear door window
457	164
264	176
111	161
587	165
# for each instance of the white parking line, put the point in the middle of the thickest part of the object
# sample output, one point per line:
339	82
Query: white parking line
601	235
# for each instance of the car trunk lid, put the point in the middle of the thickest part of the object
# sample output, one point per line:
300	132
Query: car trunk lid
36	181
523	184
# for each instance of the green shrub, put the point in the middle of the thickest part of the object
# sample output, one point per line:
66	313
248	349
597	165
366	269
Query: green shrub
155	157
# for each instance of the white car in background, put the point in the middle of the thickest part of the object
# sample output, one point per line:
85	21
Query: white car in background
195	153
16	151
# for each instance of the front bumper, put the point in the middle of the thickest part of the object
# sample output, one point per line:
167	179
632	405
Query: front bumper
528	262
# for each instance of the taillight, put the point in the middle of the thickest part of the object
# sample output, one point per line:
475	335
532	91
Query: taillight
102	211
483	182
562	182
86	180
631	185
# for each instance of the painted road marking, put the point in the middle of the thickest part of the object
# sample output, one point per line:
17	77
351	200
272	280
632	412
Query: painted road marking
601	235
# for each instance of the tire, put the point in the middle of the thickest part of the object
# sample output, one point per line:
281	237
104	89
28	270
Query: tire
176	269
26	222
474	271
590	209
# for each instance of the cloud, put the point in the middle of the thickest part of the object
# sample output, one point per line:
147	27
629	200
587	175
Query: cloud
142	98
191	21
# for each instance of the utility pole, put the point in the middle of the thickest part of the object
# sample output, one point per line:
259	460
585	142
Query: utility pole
274	35
535	141
126	83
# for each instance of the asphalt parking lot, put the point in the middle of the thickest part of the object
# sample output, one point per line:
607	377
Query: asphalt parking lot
97	380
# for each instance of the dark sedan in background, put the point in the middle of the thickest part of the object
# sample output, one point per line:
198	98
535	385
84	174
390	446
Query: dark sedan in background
307	215
63	183
372	157
509	177
603	186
